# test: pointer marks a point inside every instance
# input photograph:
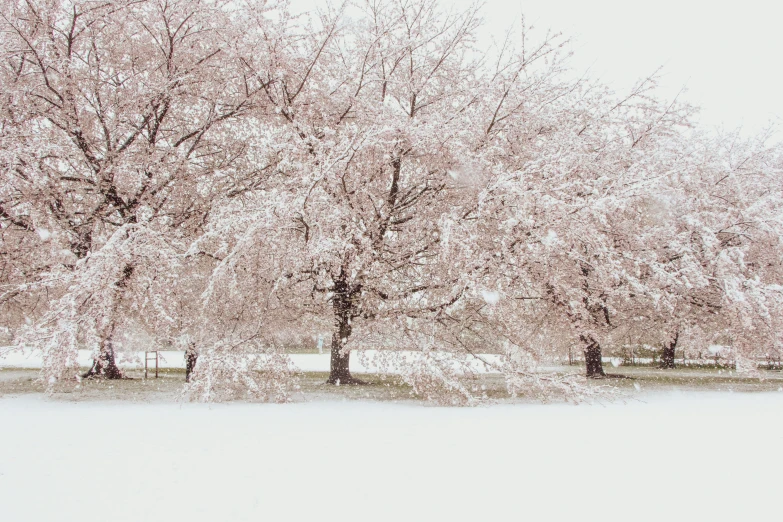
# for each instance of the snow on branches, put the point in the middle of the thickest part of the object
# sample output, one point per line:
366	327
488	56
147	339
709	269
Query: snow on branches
233	173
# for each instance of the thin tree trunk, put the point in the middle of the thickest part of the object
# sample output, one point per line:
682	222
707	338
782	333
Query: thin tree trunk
593	363
667	356
339	361
339	368
104	366
191	358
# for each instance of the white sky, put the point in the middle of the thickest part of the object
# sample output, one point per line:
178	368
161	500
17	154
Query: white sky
728	54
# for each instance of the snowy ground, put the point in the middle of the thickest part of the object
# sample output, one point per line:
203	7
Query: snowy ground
685	444
669	456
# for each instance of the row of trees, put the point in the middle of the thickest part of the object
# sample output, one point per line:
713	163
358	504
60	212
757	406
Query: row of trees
226	175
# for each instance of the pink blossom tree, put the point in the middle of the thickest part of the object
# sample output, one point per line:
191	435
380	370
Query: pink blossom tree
126	120
231	176
395	121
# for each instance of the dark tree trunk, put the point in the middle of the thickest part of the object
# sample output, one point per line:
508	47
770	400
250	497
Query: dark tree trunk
104	366
667	356
593	364
191	358
339	370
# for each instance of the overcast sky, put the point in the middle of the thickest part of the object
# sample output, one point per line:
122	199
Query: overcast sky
727	54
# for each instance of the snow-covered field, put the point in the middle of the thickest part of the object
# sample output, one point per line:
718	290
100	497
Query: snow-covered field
683	457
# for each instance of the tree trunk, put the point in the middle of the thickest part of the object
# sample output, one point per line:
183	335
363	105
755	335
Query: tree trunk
593	364
339	370
667	356
339	367
191	358
104	366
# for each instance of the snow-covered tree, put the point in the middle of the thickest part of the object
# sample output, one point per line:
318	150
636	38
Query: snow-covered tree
120	124
395	120
230	176
441	199
717	245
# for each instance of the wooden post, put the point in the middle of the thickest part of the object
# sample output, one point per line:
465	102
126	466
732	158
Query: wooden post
146	363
